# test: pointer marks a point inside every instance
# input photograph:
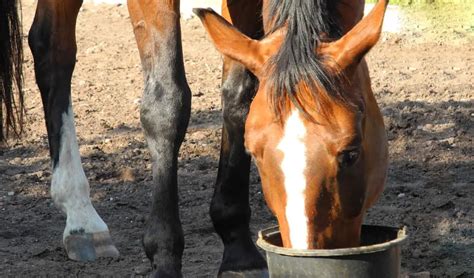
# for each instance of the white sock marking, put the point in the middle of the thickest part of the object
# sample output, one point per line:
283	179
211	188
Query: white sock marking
293	167
69	185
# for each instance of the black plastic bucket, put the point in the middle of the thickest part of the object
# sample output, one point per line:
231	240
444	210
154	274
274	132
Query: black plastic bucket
377	257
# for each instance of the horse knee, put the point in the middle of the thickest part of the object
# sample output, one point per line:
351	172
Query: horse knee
38	38
54	55
238	90
165	111
45	37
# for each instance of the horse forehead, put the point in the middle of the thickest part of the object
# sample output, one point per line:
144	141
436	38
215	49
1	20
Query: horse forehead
294	127
340	121
293	143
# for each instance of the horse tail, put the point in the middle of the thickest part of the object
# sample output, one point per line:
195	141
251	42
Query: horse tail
11	76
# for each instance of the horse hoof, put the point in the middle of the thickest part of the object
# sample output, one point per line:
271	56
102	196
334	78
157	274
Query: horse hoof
90	246
253	273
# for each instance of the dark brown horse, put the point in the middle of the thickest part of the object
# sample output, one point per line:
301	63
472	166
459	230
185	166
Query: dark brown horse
296	95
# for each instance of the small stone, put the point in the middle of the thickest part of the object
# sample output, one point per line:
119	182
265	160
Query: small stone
445	204
11	193
401	195
448	142
460	132
39	174
39	252
428	127
142	269
423	274
90	50
403	124
417	253
459	214
460	194
140	218
127	174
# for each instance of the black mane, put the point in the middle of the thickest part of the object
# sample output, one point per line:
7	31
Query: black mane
297	61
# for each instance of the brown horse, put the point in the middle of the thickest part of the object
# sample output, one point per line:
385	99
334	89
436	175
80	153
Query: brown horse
296	96
314	127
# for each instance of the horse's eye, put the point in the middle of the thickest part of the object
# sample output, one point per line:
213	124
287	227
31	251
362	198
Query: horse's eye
347	158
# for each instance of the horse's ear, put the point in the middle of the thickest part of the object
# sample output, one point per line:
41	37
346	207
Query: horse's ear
351	48
232	43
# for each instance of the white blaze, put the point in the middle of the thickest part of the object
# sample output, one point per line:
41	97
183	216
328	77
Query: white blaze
69	186
293	167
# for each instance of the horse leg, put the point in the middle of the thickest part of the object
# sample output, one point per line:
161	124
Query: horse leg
230	210
53	44
165	111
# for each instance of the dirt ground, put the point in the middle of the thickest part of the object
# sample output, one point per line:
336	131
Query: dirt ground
422	78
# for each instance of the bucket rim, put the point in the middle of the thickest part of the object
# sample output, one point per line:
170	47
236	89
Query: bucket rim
264	234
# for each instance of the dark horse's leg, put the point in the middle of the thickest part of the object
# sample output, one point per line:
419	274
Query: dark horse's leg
165	113
230	210
53	44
